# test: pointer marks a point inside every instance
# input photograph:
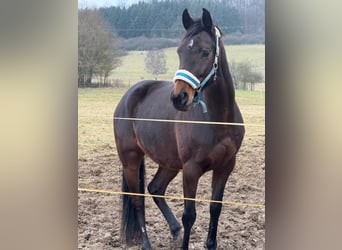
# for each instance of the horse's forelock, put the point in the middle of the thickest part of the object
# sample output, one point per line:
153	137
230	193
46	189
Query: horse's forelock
196	28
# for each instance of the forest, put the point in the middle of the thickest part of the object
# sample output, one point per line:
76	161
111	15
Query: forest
163	18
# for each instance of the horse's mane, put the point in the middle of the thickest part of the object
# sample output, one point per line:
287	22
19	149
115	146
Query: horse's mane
226	73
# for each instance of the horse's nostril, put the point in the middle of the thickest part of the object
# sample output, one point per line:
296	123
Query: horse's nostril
172	96
183	97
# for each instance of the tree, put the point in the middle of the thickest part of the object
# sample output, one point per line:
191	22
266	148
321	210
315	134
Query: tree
233	66
155	62
254	77
97	47
244	76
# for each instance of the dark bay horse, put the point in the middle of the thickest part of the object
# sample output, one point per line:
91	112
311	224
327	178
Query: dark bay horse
202	90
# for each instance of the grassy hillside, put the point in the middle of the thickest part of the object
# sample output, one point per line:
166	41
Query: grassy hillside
132	68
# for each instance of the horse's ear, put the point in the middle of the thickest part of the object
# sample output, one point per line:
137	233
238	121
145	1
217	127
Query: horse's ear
206	20
187	20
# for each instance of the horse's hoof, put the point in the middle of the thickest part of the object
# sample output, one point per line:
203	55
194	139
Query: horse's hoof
146	246
177	240
175	233
212	246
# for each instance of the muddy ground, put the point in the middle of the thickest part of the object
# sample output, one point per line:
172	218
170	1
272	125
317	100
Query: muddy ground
240	227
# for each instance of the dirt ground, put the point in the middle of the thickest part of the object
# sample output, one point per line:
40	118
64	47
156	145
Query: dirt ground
240	227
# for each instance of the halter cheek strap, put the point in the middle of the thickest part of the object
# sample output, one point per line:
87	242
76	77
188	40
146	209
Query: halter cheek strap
194	82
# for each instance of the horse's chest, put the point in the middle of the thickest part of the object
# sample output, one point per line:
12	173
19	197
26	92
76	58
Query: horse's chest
210	152
222	151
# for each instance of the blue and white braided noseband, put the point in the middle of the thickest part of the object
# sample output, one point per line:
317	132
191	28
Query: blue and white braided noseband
187	77
193	81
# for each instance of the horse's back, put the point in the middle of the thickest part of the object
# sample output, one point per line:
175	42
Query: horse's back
141	101
149	91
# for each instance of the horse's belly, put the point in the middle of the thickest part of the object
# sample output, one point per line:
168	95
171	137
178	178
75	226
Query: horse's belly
158	142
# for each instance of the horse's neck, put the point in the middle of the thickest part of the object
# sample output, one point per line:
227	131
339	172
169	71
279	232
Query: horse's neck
222	92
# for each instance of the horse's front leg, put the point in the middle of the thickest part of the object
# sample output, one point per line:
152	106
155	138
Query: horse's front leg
220	177
158	186
190	180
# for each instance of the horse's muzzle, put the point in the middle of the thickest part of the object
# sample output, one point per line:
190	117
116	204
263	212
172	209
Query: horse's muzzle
180	100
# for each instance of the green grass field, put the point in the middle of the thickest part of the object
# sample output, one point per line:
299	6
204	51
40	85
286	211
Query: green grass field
132	68
96	106
95	113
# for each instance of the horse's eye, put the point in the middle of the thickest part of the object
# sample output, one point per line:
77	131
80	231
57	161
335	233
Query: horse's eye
205	53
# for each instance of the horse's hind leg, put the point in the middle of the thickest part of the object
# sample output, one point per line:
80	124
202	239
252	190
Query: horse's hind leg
158	186
220	177
133	169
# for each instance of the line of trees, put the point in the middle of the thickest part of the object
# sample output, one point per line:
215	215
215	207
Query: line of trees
163	18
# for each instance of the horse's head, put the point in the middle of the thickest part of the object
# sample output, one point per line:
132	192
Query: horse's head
198	56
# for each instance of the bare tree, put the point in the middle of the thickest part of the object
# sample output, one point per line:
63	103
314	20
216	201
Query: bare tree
233	66
97	47
155	62
244	76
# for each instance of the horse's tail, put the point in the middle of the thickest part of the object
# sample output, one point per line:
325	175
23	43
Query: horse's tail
130	229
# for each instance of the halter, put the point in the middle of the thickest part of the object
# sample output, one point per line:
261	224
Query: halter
193	81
